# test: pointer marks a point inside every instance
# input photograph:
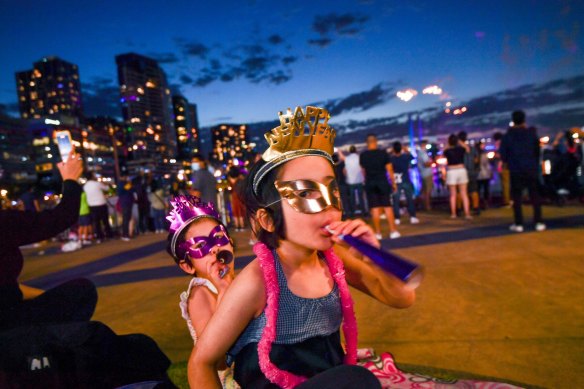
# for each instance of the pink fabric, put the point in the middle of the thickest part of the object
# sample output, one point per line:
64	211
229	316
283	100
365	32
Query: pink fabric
390	377
280	377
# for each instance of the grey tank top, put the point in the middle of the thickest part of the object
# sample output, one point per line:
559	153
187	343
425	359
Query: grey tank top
299	318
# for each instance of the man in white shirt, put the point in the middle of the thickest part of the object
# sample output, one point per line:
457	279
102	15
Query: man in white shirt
355	180
98	206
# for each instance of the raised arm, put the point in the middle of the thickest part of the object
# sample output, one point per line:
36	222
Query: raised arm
464	146
20	228
373	281
243	300
363	274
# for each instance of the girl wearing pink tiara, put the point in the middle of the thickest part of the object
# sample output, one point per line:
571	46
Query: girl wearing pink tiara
200	245
280	319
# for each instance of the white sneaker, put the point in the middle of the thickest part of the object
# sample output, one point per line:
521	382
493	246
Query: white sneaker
397	222
378	236
125	239
72	245
414	220
539	227
516	228
394	235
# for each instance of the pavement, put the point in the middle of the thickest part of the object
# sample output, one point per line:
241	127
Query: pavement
493	302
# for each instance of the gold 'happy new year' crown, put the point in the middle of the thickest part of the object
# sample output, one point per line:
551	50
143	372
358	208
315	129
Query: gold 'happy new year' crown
299	134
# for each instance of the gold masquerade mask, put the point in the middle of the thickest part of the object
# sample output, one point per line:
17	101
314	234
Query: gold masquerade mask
307	196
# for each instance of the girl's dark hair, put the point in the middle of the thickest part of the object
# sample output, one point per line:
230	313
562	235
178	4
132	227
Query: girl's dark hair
267	195
452	140
181	238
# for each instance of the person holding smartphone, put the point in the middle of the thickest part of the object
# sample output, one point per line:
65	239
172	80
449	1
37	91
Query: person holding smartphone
72	301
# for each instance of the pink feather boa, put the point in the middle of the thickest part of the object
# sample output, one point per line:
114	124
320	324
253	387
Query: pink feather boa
283	378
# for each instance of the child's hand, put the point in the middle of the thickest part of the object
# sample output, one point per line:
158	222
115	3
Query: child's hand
215	269
357	228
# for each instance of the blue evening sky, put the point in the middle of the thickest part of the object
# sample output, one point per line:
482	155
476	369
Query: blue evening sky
242	61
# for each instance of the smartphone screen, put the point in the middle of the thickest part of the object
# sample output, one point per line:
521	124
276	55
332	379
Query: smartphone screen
63	139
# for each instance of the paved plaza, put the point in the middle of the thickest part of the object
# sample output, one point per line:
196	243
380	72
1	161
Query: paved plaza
493	303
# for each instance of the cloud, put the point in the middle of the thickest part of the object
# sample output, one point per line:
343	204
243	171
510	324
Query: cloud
360	101
549	106
164	58
320	42
101	97
205	80
185	79
193	49
339	24
289	59
275	39
255	63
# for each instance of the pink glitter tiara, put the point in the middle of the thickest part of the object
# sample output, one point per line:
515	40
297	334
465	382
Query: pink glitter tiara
185	210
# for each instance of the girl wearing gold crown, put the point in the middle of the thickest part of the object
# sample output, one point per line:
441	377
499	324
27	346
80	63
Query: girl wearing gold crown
280	319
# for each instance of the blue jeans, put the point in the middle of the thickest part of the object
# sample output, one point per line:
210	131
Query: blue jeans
408	189
158	216
356	200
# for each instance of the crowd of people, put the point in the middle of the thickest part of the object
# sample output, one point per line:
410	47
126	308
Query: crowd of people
378	183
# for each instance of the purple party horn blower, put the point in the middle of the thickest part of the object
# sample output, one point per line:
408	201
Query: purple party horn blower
406	271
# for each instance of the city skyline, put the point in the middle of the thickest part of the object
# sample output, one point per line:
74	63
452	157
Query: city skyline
240	63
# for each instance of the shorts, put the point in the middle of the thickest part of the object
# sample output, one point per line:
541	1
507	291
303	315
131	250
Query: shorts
428	184
85	220
456	176
378	194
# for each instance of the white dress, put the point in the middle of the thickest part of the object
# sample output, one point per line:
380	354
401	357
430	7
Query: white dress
226	376
184	302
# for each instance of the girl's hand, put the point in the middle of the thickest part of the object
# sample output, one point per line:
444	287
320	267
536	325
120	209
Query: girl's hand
214	270
357	228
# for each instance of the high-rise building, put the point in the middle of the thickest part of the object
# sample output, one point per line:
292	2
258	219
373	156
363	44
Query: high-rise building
50	89
16	164
146	107
186	124
194	128
229	142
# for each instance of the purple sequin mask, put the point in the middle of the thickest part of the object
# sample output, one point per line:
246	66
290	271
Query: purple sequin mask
199	246
185	210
